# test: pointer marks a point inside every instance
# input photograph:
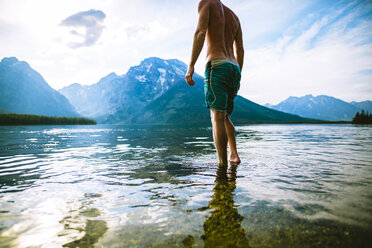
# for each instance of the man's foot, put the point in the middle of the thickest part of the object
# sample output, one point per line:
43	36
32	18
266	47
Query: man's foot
234	159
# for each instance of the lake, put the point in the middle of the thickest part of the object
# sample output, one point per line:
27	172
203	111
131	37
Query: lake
117	186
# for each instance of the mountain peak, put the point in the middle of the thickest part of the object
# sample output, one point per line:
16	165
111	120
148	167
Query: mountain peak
109	77
24	91
365	105
9	60
318	107
153	67
152	60
162	62
74	85
13	61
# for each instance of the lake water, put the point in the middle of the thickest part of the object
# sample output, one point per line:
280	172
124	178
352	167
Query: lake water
118	186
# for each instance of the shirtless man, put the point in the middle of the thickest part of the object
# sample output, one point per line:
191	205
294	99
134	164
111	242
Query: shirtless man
222	29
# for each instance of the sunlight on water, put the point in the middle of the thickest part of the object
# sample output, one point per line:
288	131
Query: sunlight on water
117	186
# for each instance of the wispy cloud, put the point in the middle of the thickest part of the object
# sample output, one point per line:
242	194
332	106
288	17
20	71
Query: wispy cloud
90	21
326	57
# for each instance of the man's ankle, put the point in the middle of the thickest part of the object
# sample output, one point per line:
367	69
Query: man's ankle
222	162
234	155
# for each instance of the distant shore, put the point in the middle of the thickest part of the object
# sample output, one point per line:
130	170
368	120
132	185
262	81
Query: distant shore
19	119
294	122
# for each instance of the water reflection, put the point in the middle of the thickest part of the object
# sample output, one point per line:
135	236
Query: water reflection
82	221
223	228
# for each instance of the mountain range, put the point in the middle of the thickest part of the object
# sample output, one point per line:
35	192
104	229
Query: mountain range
24	91
155	92
321	107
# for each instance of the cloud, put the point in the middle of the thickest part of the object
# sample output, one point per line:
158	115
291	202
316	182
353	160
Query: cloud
135	30
90	21
327	57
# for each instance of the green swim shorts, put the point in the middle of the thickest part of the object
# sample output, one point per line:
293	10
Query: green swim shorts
221	84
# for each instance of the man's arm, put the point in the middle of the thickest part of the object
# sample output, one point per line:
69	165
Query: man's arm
239	49
199	38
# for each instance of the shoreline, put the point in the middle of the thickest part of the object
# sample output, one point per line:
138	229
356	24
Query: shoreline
32	120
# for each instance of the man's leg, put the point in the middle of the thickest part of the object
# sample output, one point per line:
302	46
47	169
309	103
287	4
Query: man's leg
219	135
230	131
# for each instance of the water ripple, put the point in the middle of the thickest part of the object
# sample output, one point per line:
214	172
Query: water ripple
67	185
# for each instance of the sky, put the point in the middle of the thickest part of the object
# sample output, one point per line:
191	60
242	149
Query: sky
292	47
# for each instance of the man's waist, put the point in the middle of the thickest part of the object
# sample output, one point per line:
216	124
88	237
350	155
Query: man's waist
216	62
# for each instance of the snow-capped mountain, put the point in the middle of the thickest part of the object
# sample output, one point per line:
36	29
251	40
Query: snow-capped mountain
141	85
155	91
151	79
318	107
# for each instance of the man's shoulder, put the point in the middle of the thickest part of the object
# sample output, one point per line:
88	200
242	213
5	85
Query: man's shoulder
227	9
206	1
209	3
232	13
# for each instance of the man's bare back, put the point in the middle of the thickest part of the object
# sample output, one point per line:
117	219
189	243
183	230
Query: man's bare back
223	30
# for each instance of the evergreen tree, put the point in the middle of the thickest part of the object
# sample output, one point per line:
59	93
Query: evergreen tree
362	118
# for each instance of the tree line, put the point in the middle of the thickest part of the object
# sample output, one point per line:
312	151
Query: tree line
19	119
362	118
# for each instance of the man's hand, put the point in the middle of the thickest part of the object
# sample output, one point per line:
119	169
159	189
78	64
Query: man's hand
188	77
